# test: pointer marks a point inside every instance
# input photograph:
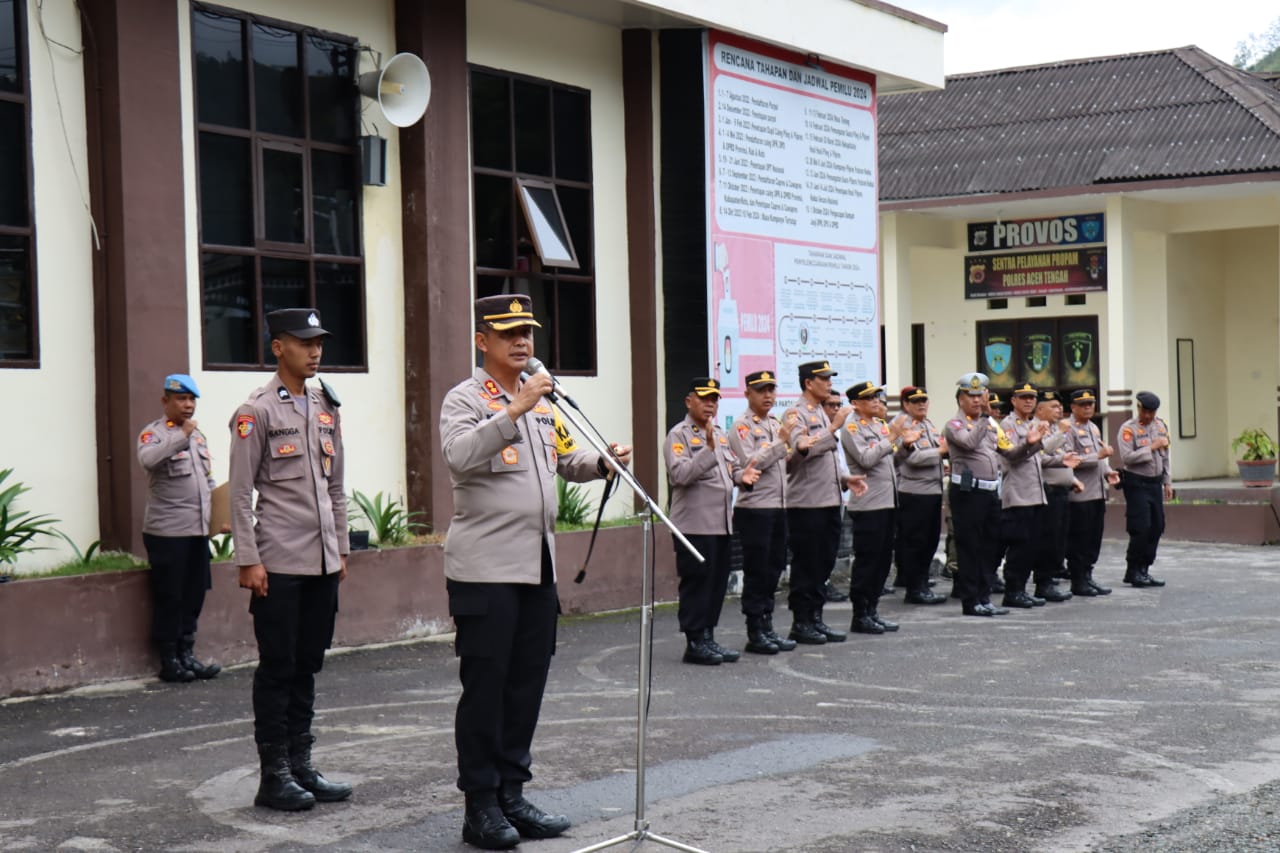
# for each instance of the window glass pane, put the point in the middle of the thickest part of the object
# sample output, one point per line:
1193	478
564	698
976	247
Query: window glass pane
490	121
576	307
10	73
576	204
228	309
547	225
338	296
222	90
284	285
17	333
277	81
533	128
493	221
573	144
13	164
226	190
540	291
335	194
331	89
282	199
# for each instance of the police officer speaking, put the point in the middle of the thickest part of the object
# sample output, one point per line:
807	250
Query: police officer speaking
175	529
504	443
286	442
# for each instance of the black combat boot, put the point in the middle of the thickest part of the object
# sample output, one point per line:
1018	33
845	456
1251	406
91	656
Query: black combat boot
758	642
783	644
873	610
484	825
171	669
832	635
1131	573
1097	587
862	621
528	820
1049	591
308	777
186	657
697	651
803	630
278	789
728	655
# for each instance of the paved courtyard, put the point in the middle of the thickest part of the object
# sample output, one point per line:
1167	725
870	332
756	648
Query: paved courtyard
1067	728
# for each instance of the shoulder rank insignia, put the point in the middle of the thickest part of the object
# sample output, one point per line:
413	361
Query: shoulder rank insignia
330	395
282	392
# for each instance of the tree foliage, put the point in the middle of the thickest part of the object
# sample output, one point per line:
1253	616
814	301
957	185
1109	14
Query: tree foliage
1260	52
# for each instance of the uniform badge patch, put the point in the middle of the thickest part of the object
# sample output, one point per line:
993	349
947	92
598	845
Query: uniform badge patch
492	387
542	409
328	448
677	448
282	392
852	427
743	431
245	425
510	455
325	418
286	449
148	437
884	429
494	405
1126	434
170	424
759	431
327	465
956	424
695	441
724	440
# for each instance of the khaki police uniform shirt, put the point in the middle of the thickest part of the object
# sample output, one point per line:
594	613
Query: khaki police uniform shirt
504	482
1086	440
920	464
754	438
1134	444
972	445
868	449
1055	472
703	469
179	479
295	461
813	477
1023	481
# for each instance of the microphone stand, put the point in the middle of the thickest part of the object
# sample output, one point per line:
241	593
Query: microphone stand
641	832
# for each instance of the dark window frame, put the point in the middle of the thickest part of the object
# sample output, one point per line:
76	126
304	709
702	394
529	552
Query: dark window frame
27	232
556	279
260	141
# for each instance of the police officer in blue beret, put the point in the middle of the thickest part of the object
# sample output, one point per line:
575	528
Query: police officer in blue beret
175	527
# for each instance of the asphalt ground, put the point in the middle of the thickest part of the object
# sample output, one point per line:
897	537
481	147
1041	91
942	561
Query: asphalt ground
1142	719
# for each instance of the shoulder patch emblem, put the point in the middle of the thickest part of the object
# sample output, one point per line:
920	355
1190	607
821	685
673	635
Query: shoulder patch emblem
148	437
245	425
743	431
723	440
956	424
852	427
1126	434
677	448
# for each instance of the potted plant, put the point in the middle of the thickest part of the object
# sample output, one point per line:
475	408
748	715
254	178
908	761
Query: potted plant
1257	463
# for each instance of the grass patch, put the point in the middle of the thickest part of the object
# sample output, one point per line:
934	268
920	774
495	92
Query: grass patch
107	561
627	521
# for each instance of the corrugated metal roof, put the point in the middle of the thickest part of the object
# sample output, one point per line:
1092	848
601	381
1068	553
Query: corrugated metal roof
1148	116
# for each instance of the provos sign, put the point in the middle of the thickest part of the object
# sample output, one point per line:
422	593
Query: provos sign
1036	233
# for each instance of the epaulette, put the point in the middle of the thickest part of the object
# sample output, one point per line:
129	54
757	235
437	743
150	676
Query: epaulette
330	395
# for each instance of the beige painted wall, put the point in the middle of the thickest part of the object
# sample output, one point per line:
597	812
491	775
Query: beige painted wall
518	37
373	403
54	452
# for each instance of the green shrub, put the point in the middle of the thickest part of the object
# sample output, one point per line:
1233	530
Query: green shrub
18	528
573	505
389	522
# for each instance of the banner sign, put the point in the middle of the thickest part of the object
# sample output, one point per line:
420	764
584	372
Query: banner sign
1048	352
1037	233
1035	273
792	220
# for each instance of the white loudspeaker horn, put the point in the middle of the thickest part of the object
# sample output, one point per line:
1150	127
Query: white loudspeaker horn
402	88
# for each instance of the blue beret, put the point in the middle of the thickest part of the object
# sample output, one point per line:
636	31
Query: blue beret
180	383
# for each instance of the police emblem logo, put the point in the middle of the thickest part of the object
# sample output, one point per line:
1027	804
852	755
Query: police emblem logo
515	306
510	455
695	441
325	418
766	377
286	449
677	448
1127	434
148	437
743	431
313	321
245	425
174	385
328	448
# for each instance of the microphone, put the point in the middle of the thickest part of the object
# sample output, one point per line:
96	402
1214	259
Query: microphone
535	366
